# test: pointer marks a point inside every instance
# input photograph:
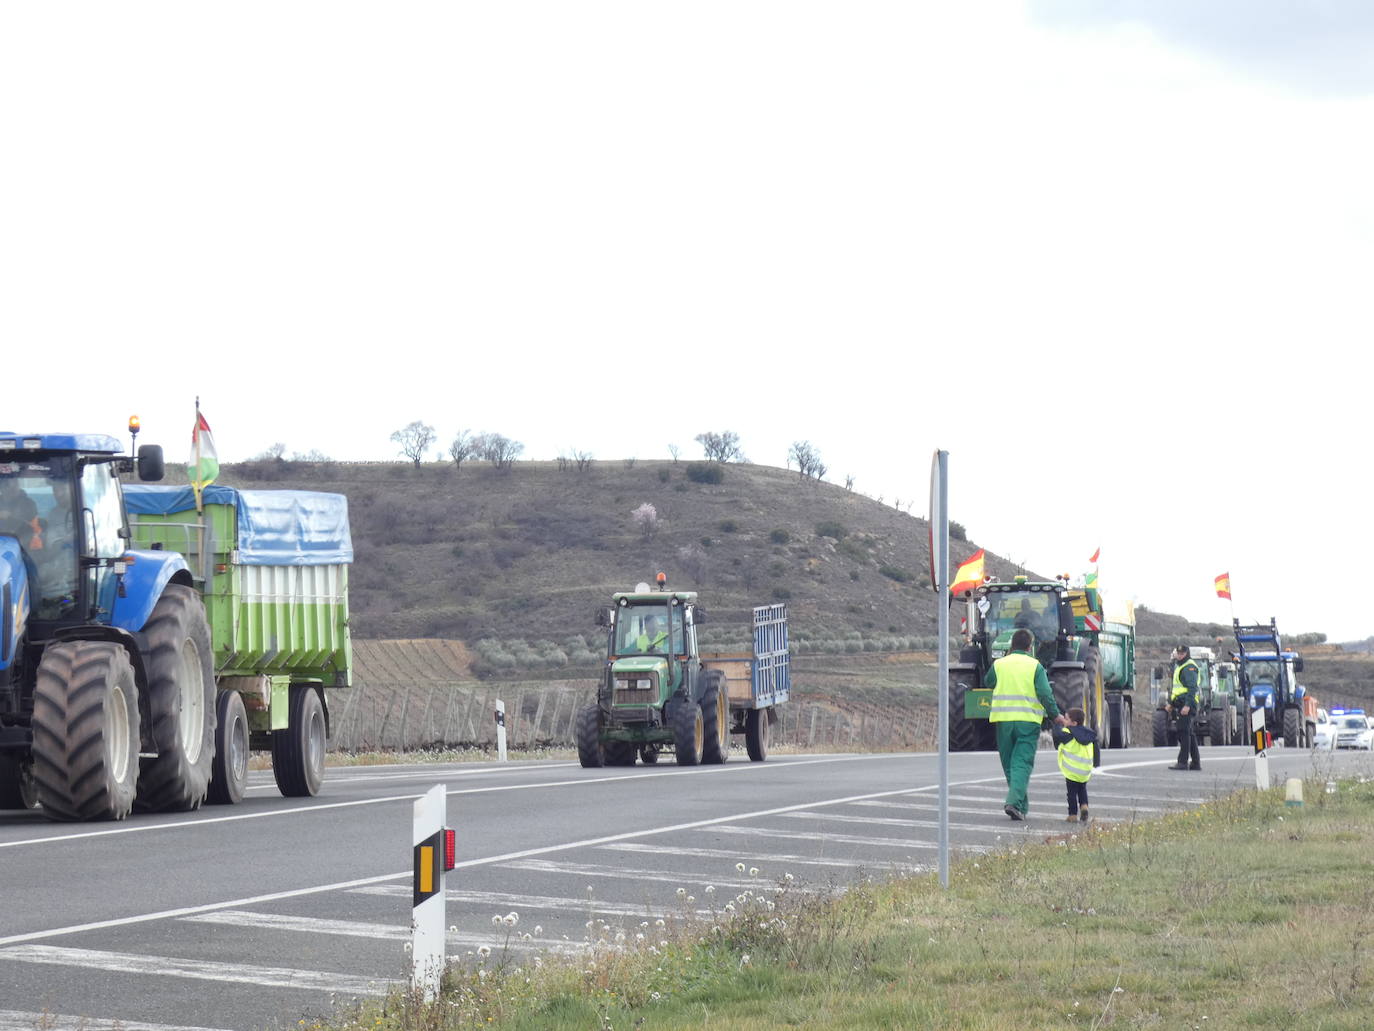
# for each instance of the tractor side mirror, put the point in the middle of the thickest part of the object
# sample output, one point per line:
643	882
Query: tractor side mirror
1297	664
603	617
699	616
150	465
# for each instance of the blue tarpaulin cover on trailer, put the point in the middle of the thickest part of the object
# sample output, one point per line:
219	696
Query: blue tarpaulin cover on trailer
276	527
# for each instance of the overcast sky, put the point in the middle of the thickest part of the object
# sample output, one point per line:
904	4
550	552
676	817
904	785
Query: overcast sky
1114	257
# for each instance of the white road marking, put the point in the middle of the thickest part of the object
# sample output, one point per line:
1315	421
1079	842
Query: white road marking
893	821
359	929
771	858
17	1020
203	970
622	874
505	901
835	839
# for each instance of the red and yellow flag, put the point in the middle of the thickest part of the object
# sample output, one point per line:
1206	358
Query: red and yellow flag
1224	586
970	574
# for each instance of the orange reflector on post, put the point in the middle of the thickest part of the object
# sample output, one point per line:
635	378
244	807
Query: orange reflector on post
426	870
450	848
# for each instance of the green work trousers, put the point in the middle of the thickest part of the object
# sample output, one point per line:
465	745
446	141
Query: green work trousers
1017	741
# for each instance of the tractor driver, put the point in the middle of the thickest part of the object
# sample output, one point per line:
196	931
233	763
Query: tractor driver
19	515
655	634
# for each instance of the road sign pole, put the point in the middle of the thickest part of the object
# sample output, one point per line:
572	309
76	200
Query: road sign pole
939	558
501	730
427	914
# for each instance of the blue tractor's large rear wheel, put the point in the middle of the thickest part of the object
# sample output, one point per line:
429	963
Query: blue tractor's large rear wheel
181	702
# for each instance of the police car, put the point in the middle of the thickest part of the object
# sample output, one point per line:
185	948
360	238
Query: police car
1352	729
1324	733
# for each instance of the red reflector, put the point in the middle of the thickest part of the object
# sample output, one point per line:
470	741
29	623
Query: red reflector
450	849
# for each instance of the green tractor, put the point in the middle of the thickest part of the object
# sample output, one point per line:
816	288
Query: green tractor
659	692
1090	662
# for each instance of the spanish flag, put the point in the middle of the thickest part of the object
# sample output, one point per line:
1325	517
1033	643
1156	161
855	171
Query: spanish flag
1224	586
970	574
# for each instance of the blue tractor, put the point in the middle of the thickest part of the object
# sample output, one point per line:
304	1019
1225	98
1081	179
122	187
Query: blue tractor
107	692
1268	680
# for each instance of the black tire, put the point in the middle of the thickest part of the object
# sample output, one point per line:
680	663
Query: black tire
689	733
620	753
966	735
85	731
17	789
1128	708
229	774
715	718
1160	726
1071	690
756	734
648	755
590	751
298	751
1292	723
1216	727
181	704
1094	700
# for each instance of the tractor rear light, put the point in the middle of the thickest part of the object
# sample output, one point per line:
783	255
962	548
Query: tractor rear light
221	567
450	849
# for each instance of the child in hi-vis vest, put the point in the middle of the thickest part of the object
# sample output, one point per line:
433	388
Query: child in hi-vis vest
1077	744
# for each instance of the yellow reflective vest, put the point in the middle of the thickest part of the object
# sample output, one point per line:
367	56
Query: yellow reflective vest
1179	687
1076	760
1013	696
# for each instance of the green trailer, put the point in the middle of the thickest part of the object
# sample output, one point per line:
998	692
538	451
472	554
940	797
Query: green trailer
272	569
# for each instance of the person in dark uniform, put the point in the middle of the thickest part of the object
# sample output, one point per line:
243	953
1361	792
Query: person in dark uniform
1183	704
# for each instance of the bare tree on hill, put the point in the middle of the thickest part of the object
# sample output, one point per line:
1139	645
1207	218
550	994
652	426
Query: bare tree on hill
721	447
497	449
808	459
415	440
463	447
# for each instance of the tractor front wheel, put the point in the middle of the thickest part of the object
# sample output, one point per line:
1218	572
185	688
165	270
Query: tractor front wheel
689	732
1292	728
590	752
85	731
1160	726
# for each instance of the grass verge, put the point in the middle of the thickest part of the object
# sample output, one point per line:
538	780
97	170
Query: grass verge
1242	913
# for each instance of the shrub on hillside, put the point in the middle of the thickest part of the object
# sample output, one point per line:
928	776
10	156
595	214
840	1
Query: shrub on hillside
727	526
832	529
705	472
779	536
895	573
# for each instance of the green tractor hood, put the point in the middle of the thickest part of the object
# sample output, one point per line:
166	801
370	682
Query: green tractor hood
637	664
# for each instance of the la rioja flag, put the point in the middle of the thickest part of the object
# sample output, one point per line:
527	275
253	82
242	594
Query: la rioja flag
203	467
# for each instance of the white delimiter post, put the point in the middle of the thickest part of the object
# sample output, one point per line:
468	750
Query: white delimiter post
1261	756
427	916
501	730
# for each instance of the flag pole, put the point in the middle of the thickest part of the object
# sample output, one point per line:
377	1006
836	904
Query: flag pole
195	469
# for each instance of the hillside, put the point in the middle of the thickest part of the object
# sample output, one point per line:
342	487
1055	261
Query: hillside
530	552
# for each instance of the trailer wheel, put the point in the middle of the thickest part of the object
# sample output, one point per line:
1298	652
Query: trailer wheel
181	703
298	751
1292	723
85	731
229	774
1161	728
689	732
17	789
590	752
1127	717
756	734
715	709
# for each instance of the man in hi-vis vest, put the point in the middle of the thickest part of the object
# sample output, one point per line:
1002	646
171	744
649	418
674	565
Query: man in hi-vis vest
1021	700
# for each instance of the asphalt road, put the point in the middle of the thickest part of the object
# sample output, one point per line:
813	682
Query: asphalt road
276	910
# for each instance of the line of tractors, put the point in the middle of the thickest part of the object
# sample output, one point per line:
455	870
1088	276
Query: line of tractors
1090	661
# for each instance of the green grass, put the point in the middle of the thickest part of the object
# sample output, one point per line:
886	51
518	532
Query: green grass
1242	913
